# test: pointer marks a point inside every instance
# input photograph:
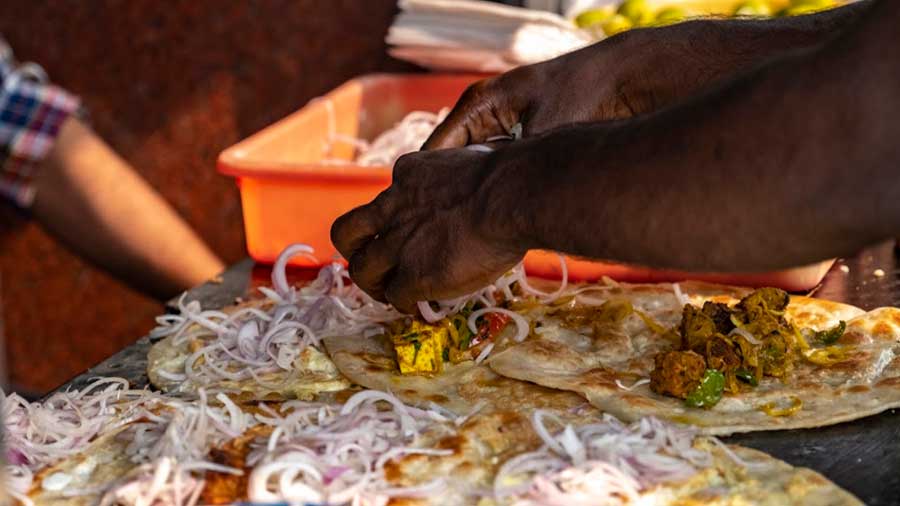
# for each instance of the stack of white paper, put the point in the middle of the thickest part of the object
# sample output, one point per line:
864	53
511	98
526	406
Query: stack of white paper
478	36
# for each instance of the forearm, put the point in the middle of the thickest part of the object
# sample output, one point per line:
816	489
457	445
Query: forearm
792	164
737	43
94	202
803	30
642	71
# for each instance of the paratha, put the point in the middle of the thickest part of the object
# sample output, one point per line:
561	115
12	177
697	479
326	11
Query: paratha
305	375
492	457
155	452
607	361
269	347
81	479
736	476
462	388
495	460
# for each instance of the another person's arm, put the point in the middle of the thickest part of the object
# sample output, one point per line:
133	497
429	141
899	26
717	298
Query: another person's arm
793	163
630	74
94	202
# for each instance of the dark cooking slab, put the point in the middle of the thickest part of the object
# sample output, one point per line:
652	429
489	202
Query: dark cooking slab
861	456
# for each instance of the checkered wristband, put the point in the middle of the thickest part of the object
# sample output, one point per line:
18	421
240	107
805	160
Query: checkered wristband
31	113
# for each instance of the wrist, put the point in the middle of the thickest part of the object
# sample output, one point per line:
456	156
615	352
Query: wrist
530	184
504	209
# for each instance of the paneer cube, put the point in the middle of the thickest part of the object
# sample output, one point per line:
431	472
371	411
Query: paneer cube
421	348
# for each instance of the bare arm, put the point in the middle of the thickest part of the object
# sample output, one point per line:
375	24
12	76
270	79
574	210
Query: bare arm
792	163
633	73
94	202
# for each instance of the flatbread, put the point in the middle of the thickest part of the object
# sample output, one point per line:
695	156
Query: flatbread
313	372
766	481
478	447
604	368
461	388
103	462
482	446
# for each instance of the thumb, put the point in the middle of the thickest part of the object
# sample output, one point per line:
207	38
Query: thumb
474	119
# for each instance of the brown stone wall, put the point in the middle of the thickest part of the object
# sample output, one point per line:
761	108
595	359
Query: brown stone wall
169	84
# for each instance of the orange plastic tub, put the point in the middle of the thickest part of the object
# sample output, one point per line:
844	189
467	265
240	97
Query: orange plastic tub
290	194
287	192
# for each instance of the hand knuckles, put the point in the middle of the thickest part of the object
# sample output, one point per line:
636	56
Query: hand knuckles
340	232
476	92
384	201
404	168
515	78
417	280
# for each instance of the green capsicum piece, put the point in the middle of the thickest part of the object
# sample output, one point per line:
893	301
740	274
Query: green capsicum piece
831	335
708	392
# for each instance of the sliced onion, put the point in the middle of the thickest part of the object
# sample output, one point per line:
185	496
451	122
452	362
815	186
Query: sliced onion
480	148
475	409
171	376
642	381
429	314
484	353
683	300
405	137
279	270
537	421
598	463
522	326
253	341
338	455
516	131
556	294
375	395
746	335
734	456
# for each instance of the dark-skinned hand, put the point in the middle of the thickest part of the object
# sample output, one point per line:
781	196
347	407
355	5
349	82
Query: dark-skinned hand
407	244
423	239
453	220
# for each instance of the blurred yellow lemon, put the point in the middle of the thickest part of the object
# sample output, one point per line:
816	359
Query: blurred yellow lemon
593	17
801	7
753	8
637	11
670	16
616	24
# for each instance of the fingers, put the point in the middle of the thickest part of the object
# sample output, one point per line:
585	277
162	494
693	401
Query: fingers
404	290
354	229
372	264
452	132
472	120
408	283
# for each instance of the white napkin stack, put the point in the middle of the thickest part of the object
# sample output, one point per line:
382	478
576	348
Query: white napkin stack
478	36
